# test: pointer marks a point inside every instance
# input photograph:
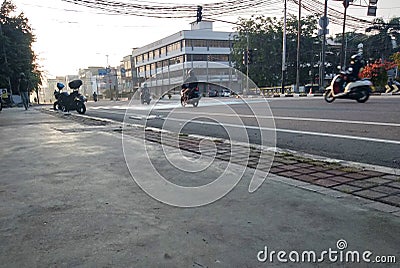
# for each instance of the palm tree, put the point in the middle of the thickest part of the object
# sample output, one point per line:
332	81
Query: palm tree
384	42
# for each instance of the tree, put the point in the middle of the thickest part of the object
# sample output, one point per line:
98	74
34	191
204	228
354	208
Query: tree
384	42
377	72
264	35
16	54
396	58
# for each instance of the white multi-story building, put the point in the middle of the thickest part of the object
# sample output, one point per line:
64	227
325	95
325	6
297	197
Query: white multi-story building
164	64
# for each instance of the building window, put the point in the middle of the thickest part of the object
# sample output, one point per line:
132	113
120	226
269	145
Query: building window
198	57
174	47
163	51
165	63
175	60
218	57
152	68
218	43
205	43
139	59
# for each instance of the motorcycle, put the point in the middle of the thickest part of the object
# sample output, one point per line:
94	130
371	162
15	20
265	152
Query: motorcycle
95	98
193	97
5	101
74	101
358	90
145	97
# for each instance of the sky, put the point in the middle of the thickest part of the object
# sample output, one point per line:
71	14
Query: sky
70	37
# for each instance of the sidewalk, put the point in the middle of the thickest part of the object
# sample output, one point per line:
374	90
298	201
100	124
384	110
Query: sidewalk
68	199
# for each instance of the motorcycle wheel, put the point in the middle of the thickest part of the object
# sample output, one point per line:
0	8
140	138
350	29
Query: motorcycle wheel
328	97
56	107
80	107
195	104
363	96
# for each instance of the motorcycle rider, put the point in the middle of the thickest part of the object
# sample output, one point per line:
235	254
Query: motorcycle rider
95	96
352	73
356	64
189	85
144	93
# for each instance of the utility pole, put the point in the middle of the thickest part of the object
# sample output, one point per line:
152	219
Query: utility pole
346	4
284	48
298	49
247	63
324	32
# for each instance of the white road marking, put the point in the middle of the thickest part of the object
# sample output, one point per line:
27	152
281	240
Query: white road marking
387	124
292	131
186	111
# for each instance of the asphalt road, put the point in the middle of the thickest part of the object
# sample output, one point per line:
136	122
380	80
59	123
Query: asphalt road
367	133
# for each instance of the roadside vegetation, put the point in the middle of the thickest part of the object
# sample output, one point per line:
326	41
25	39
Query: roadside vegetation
263	36
16	54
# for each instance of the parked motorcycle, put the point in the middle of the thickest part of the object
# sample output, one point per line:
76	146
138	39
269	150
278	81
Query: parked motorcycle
193	97
4	99
67	102
358	90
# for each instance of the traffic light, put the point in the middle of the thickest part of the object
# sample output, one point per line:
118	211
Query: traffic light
372	8
199	14
245	57
346	3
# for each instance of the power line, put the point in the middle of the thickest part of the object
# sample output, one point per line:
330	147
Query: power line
171	10
335	16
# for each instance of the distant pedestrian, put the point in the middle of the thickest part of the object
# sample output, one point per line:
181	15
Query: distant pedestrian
23	90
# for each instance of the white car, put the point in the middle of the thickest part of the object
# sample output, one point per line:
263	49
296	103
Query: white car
226	93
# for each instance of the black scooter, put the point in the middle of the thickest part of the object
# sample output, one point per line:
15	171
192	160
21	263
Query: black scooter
193	97
145	97
67	102
95	98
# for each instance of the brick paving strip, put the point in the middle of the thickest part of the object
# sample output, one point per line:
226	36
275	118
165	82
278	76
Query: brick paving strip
374	185
370	184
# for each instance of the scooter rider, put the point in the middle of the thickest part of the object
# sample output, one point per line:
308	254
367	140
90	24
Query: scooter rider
95	96
356	64
144	92
189	85
353	71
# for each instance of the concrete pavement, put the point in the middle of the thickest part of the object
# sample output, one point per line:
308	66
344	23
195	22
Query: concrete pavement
67	199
